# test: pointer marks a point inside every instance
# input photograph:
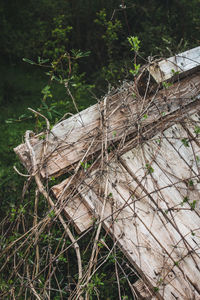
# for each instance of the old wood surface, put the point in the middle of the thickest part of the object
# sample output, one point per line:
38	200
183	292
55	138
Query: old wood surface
142	290
151	179
75	209
180	65
149	209
69	140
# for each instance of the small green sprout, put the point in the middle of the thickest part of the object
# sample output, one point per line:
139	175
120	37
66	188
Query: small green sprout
134	42
193	204
136	70
114	133
197	130
85	165
149	168
190	182
42	137
51	214
185	142
145	116
100	245
166	85
174	72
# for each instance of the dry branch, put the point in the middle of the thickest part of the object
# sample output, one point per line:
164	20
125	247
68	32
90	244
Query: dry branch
69	140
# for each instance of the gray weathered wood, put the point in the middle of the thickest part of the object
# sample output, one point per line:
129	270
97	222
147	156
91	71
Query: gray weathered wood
69	140
152	197
143	291
179	65
155	228
75	209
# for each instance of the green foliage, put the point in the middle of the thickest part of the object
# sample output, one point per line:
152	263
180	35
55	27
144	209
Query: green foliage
111	30
94	284
149	168
112	71
185	142
166	85
57	44
134	42
197	130
50	34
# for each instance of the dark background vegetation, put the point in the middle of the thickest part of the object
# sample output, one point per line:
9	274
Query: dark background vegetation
94	34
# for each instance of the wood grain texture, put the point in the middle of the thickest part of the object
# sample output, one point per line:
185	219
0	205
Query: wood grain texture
149	211
69	140
74	208
181	65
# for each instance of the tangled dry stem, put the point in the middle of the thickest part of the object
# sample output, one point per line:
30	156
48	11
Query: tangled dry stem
148	105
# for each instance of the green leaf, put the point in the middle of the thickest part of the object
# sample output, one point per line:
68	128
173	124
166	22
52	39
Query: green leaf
197	130
193	204
114	133
145	116
29	61
149	168
185	142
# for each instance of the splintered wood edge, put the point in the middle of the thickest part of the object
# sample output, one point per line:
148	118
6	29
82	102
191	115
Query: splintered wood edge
142	290
23	154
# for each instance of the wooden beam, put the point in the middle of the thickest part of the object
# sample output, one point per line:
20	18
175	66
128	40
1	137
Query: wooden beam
75	209
177	66
70	139
146	212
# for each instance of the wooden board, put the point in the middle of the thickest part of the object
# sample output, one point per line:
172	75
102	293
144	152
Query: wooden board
74	208
152	244
69	140
146	212
180	65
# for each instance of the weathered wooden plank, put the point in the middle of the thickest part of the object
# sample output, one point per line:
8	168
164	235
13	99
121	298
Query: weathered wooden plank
169	237
181	64
77	212
74	208
69	140
143	237
168	178
168	198
163	246
133	223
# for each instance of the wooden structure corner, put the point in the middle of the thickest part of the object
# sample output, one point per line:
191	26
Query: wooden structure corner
132	163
